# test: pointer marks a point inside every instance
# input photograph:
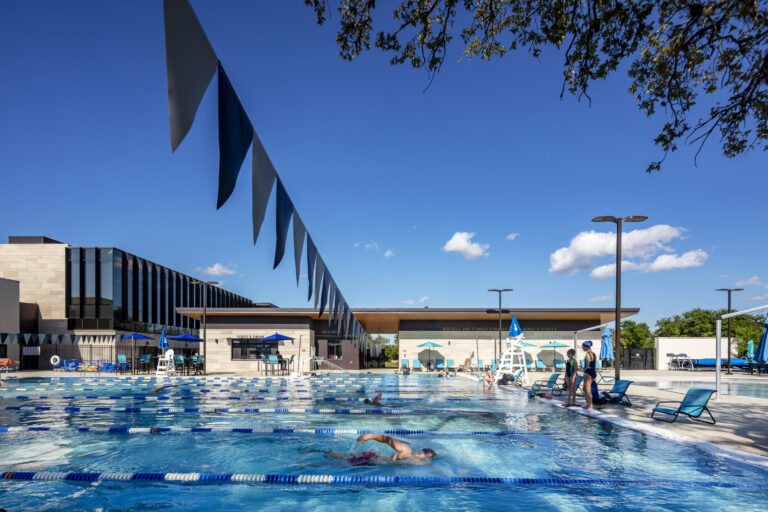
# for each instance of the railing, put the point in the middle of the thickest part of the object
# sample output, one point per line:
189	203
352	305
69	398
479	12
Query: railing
332	365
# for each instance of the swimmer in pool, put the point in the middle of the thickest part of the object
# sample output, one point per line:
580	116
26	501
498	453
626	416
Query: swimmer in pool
158	390
403	452
375	400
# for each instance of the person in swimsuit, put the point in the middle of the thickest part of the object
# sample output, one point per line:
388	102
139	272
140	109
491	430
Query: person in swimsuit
570	378
403	452
158	390
488	379
590	374
375	400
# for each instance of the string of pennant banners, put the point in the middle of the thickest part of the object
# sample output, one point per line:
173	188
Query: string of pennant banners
191	63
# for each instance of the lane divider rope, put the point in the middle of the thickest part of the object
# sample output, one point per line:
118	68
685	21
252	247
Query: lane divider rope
268	430
227	410
393	481
150	398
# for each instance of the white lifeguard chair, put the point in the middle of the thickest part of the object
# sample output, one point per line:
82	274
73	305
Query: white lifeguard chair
513	358
165	365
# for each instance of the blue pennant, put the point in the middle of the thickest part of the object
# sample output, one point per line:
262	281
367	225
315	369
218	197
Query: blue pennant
311	256
283	212
235	135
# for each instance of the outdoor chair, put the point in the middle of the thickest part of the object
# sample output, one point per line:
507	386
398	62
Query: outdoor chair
540	365
416	365
145	360
179	363
289	364
274	362
577	385
440	364
603	379
550	383
451	365
404	364
617	394
559	365
123	363
694	403
479	364
198	364
528	364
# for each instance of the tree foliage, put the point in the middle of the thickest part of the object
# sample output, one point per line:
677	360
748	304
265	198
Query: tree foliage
636	335
701	323
676	51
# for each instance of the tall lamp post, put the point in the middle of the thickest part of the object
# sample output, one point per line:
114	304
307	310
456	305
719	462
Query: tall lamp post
499	291
205	309
617	339
729	290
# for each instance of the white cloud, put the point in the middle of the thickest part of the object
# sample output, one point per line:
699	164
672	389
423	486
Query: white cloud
461	242
407	302
723	276
356	244
424	299
389	253
372	245
752	281
758	297
217	269
512	236
601	298
689	259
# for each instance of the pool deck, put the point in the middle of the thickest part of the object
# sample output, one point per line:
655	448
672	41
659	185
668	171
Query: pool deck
742	422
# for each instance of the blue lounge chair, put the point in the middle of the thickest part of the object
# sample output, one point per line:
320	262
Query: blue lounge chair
440	364
404	364
577	384
416	364
479	364
693	405
617	394
540	365
493	365
550	383
559	365
451	364
603	379
528	364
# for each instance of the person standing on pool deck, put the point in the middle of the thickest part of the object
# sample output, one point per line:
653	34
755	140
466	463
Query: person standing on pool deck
570	378
590	374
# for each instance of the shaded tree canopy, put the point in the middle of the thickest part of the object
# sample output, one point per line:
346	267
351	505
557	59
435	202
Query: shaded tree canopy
701	323
676	52
636	335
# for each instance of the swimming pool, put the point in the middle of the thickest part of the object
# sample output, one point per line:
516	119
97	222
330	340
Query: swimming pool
751	388
549	446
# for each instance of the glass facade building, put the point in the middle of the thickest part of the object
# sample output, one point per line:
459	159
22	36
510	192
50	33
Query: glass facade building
110	289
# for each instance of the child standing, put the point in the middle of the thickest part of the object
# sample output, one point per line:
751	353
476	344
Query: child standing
570	378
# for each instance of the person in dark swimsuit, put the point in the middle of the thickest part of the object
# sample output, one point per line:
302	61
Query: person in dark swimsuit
570	378
403	452
375	400
590	373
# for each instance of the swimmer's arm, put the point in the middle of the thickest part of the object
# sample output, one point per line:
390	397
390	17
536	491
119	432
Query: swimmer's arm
378	397
402	449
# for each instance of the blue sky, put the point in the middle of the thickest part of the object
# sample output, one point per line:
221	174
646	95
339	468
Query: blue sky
382	173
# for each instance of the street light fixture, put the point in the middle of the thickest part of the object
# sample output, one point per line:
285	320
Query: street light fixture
499	291
617	339
205	308
729	290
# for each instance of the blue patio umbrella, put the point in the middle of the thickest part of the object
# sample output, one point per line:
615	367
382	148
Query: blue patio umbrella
751	350
135	336
553	345
761	354
429	345
606	345
276	337
514	328
185	337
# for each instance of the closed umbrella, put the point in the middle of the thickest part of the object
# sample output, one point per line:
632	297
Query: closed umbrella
751	350
606	345
761	354
429	345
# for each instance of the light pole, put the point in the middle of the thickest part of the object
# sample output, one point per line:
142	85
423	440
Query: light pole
205	309
499	291
729	290
617	339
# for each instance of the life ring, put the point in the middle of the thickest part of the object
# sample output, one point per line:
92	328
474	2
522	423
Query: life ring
55	360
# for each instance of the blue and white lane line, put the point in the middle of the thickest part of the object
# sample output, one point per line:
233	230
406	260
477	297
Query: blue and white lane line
158	398
369	480
318	431
244	391
229	410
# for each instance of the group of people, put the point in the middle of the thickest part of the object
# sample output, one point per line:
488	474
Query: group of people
571	373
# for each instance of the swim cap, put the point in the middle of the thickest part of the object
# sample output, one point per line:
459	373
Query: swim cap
587	344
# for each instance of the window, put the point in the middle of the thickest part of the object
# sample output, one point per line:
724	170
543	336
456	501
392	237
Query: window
252	348
334	350
74	284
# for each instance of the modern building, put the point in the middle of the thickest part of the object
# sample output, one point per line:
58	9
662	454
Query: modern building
95	294
235	334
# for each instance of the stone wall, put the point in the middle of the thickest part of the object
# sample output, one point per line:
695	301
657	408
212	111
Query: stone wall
9	305
40	270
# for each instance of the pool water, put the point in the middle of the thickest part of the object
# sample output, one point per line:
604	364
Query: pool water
750	388
549	443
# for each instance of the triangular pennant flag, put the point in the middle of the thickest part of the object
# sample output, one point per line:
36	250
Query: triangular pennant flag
319	273
26	338
331	300
3	335
190	65
336	310
324	290
41	339
235	135
11	338
311	257
65	338
284	210
263	179
298	242
514	328
340	313
348	317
